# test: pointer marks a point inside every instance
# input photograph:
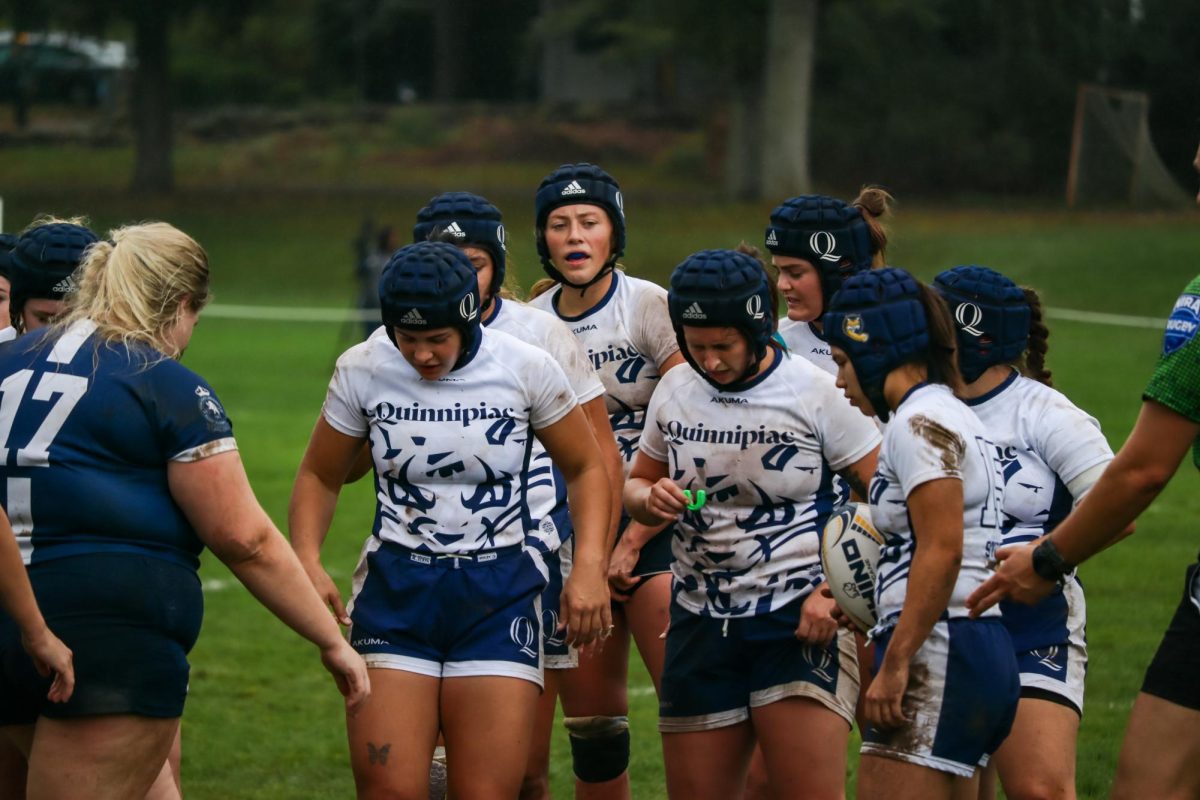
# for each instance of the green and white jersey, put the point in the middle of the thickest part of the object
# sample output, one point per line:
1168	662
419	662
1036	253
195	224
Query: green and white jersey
1176	380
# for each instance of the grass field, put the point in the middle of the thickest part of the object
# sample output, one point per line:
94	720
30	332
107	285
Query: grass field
263	720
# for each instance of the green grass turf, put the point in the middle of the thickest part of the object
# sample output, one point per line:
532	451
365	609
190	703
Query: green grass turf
263	720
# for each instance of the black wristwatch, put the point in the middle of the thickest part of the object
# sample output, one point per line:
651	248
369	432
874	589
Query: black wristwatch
1049	564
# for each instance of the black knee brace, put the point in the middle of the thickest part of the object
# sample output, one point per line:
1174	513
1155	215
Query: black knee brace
599	747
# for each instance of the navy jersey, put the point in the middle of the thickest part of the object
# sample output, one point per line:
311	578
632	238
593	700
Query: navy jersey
86	431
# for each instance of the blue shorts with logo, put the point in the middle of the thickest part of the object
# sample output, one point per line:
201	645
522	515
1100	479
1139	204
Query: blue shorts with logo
130	621
961	699
558	654
449	616
716	669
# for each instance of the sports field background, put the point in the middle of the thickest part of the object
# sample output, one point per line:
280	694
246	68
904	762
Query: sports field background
264	721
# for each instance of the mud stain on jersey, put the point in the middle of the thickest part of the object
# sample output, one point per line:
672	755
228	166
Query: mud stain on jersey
945	441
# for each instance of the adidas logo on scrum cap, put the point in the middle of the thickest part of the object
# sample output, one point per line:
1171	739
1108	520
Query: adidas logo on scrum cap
413	317
694	311
573	188
771	238
66	286
455	231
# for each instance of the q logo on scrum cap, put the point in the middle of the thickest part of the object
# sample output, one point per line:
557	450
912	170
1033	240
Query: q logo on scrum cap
975	315
467	307
754	307
822	243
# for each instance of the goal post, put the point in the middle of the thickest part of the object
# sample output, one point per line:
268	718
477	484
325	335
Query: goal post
1113	160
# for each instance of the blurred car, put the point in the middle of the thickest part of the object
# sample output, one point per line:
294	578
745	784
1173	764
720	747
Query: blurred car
57	67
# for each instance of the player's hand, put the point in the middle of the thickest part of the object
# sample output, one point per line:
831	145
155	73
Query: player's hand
585	605
51	656
883	705
839	616
1014	580
817	626
327	590
349	673
666	500
621	564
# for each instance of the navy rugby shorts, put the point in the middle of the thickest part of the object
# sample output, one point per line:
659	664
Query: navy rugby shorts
130	621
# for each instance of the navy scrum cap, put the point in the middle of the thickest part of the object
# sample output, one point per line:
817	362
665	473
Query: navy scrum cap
991	317
579	183
722	288
878	320
431	285
42	263
824	231
463	218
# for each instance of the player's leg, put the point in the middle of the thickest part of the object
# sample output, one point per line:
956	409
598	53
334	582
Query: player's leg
12	770
880	777
1037	760
488	725
802	705
804	748
1160	756
648	612
115	756
705	764
535	785
559	658
596	709
392	737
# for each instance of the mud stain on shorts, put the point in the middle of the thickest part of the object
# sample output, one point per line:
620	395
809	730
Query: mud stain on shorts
944	440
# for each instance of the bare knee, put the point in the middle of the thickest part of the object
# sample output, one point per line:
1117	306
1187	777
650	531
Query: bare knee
1037	787
535	787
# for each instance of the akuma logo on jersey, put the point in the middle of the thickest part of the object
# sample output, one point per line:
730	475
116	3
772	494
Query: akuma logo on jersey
852	326
386	412
1182	324
742	437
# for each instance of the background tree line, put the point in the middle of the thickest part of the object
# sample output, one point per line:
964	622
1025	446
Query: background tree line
928	94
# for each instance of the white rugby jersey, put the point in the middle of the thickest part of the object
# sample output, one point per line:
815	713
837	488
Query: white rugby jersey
934	435
626	336
1043	442
547	332
802	340
450	455
766	456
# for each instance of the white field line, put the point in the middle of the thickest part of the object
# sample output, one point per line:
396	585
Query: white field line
325	314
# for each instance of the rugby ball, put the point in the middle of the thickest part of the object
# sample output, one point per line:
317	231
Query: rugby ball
849	556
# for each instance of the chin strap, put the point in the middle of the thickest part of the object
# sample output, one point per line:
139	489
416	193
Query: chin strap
605	270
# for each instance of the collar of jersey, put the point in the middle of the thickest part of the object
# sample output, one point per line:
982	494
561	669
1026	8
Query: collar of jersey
815	331
495	315
911	392
612	289
983	398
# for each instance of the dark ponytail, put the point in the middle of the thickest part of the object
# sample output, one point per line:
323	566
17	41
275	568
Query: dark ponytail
941	362
1039	341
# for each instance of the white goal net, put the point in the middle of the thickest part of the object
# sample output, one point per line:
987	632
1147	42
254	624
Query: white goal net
1113	160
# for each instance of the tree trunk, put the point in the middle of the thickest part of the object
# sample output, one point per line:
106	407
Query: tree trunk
152	170
742	145
787	94
448	50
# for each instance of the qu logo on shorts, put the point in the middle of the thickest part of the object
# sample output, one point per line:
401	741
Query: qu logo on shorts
852	326
524	635
820	660
754	307
974	312
822	243
467	307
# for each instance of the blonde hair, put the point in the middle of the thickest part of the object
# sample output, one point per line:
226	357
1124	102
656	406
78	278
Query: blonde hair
131	285
51	219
